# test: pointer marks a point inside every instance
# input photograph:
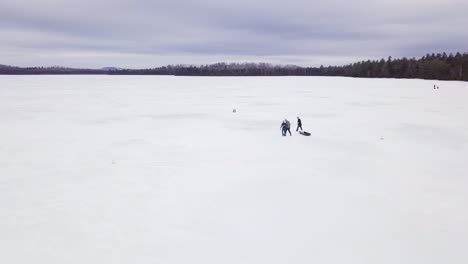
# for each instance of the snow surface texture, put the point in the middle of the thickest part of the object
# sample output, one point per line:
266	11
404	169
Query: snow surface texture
144	169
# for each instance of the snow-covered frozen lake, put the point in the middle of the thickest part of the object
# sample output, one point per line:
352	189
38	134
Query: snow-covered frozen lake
147	169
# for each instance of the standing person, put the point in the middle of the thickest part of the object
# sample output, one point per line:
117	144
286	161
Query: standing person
283	128
299	124
286	127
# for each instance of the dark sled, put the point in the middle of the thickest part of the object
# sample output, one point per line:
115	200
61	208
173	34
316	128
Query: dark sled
304	133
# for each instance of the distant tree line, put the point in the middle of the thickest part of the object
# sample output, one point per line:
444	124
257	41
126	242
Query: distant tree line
12	70
431	66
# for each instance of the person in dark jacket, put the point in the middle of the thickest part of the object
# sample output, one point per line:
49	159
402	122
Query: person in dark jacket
299	124
285	127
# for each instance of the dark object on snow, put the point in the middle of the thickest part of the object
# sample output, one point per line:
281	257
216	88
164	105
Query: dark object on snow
299	124
304	133
285	127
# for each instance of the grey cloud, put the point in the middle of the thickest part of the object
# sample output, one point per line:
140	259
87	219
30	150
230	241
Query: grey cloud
125	32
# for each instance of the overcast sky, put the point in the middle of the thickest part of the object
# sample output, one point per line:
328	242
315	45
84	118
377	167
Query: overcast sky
148	33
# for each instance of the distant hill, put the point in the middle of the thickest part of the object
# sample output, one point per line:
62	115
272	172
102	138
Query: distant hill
5	66
111	69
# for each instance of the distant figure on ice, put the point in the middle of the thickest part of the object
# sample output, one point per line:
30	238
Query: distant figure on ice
434	86
299	124
285	127
234	110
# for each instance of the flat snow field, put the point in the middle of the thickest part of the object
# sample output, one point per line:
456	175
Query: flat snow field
146	169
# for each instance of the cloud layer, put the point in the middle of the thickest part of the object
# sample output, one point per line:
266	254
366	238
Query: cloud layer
145	33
